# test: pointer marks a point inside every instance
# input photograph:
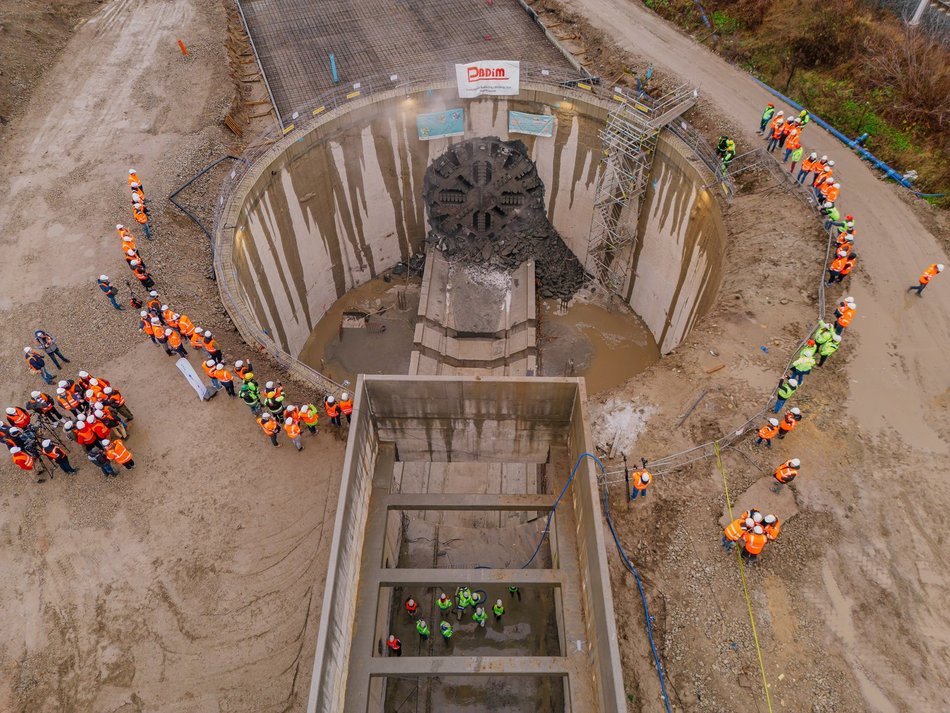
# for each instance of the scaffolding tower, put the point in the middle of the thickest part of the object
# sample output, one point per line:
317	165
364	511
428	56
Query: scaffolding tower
629	143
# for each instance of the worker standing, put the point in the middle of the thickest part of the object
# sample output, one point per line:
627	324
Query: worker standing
43	404
142	275
140	213
786	389
641	481
346	406
845	316
446	630
772	527
333	411
444	603
479	616
116	400
734	531
776	134
310	416
211	347
768	432
270	428
829	348
293	433
465	598
808	164
498	609
274	399
226	379
37	364
395	645
57	455
117	452
926	276
786	473
792	143
802	366
251	397
796	157
411	606
197	339
422	629
210	369
134	178
22	459
109	290
173	339
755	541
99	458
47	342
789	421
766	117
514	592
161	336
242	368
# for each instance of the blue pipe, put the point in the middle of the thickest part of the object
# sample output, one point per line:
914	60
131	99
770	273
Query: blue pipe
862	152
336	79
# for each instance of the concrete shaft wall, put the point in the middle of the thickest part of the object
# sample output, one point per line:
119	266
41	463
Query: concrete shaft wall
330	207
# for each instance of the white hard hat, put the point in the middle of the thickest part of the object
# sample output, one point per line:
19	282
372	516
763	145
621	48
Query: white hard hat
773	421
837	185
175	315
939	268
498	603
831	162
795	462
99	413
164	307
209	362
83	374
645	477
813	154
60	391
133	184
198	331
849	298
345	396
14	430
130	251
219	365
132	171
207	333
89	394
836	338
155	320
239	363
104	278
119	226
67	425
105	441
749	522
781	113
35	394
793	382
291	407
757	517
26	350
107	390
134	263
265	416
168	331
46	443
827	204
15	449
823	158
479	610
269	385
797	411
90	419
11	411
330	399
143	313
769	519
63	384
289	421
153	293
392	637
757	529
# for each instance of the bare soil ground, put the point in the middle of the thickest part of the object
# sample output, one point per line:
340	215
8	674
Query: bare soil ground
192	583
848	602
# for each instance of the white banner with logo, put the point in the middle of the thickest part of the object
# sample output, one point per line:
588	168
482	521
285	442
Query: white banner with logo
488	77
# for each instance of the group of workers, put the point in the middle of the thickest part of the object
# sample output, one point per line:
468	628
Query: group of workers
464	600
754	529
87	411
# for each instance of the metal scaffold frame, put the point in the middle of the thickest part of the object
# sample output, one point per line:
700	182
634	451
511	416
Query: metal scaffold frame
629	144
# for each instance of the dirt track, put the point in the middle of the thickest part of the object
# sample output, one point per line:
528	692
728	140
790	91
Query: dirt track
194	583
849	601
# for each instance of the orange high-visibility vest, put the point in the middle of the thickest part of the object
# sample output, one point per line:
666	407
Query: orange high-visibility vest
772	531
638	481
768	432
24	460
292	429
794	139
118	452
196	340
754	544
785	473
788	423
347	406
269	426
733	531
185	326
174	340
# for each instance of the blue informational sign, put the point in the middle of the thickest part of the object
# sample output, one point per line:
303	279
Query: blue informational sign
439	124
534	124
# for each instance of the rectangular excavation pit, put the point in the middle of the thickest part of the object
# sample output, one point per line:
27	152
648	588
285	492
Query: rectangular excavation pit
486	422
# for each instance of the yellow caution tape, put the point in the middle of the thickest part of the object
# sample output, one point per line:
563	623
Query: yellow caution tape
288	129
318	110
352	95
745	585
581	85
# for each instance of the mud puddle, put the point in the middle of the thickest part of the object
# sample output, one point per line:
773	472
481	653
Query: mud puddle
604	344
382	346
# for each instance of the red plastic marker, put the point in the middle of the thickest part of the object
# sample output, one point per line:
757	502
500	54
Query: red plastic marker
184	50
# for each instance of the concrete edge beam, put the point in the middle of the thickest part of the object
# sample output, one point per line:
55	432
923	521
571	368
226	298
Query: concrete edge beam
450	501
470	666
451	578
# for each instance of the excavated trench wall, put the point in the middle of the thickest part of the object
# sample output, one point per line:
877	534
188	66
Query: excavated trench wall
331	206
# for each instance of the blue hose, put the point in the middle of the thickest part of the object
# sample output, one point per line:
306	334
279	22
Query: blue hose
623	556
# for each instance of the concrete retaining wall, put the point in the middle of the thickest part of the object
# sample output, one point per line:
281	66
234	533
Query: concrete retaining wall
327	209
